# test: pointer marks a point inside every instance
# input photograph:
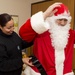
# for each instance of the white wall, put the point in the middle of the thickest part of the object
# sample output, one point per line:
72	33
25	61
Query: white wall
22	8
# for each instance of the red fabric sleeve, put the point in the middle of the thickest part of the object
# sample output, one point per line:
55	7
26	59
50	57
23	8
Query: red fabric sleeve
26	32
74	36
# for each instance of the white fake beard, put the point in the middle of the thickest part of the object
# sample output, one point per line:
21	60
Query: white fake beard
59	34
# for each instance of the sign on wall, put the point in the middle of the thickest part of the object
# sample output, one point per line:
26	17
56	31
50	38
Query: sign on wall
16	20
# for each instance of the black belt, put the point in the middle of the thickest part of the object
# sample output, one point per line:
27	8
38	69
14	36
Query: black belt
36	63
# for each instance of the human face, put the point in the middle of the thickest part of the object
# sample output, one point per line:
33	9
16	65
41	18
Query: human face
8	28
61	22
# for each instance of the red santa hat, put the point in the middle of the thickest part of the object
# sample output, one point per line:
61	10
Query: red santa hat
62	12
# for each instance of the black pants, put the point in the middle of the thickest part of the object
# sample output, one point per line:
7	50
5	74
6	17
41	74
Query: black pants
15	72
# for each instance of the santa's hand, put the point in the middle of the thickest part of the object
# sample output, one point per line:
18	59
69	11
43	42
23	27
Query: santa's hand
49	12
27	61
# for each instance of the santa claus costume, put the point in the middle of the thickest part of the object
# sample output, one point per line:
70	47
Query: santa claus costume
53	44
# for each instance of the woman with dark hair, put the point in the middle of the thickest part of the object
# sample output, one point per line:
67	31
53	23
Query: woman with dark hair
11	46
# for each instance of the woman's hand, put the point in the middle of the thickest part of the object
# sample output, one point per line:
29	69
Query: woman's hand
27	61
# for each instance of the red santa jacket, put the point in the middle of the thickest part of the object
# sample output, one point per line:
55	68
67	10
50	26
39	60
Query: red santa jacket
44	50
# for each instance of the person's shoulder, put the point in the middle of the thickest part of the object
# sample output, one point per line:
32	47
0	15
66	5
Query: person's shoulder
14	33
1	37
1	40
72	31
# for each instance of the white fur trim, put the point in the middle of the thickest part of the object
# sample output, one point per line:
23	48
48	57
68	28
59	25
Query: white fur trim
64	15
71	73
59	58
59	37
29	71
38	24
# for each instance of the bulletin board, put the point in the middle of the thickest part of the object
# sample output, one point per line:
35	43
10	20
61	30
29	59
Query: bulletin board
16	22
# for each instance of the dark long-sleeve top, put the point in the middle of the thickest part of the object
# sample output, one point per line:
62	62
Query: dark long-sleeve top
11	51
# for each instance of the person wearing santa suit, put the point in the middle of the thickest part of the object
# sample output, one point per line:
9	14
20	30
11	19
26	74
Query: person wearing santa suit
53	40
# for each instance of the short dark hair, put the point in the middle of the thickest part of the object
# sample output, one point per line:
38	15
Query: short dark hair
4	18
